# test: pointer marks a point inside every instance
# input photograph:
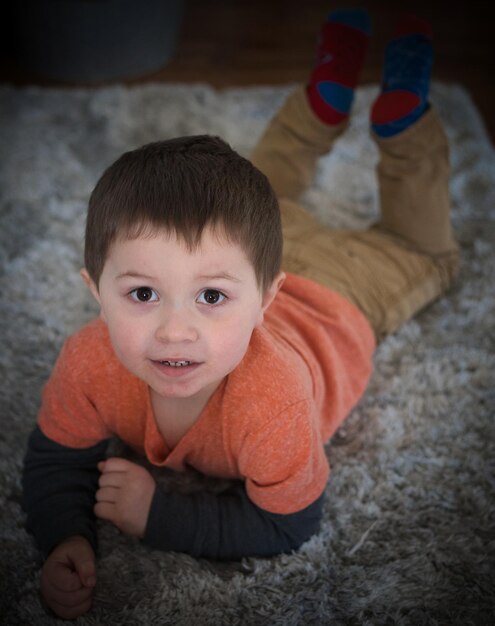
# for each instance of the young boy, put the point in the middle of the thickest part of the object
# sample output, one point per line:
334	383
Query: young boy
206	354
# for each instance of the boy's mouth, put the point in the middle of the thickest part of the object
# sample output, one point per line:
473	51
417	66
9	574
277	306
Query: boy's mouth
176	368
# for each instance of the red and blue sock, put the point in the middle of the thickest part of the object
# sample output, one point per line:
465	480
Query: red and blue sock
341	51
406	78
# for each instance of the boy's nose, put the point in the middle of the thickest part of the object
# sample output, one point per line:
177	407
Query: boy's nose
175	327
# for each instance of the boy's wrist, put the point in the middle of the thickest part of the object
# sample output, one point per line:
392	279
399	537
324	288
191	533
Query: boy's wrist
70	540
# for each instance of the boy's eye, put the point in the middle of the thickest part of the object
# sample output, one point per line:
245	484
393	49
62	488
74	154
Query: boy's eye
211	296
143	294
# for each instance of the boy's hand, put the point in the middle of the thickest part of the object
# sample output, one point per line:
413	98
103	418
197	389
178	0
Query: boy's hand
68	578
125	495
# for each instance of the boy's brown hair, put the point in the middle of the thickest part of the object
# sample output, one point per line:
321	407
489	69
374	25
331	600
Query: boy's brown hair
183	185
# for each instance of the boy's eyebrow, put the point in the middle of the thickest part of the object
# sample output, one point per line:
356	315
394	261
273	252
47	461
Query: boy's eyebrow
224	275
131	274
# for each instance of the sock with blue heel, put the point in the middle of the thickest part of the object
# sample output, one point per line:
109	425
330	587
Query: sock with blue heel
341	52
406	78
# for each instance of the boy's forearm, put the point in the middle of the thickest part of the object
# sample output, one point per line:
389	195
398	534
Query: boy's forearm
226	526
59	484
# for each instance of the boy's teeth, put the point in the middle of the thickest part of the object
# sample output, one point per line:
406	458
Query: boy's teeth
176	363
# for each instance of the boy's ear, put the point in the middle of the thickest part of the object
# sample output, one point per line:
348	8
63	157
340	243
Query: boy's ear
270	294
90	284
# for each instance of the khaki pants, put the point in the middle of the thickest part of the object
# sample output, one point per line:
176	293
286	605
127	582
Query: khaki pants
404	261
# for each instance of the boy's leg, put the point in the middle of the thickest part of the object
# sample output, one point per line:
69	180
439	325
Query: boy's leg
313	117
291	145
410	257
413	179
413	171
387	273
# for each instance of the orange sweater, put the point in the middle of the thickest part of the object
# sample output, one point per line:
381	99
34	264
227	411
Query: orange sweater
265	424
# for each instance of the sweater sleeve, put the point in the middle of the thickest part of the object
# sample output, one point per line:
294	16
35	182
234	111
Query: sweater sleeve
227	525
59	486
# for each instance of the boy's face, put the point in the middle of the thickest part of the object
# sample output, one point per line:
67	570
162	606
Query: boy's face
180	320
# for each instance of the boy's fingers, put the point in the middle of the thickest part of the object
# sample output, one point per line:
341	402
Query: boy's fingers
111	479
62	579
68	577
87	573
104	510
107	494
115	464
70	608
66	598
83	559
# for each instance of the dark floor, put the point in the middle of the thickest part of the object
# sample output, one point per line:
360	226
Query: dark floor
246	42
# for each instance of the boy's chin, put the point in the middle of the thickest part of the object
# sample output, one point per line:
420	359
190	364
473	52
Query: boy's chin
182	390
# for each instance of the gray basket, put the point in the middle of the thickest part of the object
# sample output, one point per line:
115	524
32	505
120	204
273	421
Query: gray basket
96	40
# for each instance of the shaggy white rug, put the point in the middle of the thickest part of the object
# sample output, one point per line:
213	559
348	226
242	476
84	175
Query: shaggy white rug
408	533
